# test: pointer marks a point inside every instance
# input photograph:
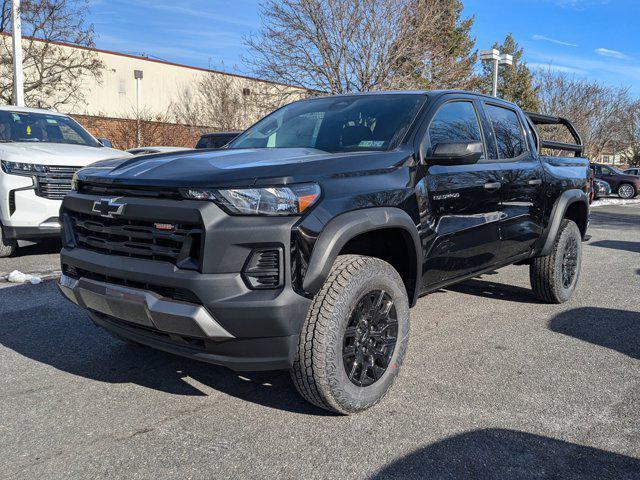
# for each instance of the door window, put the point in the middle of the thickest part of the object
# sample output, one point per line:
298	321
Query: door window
455	122
508	132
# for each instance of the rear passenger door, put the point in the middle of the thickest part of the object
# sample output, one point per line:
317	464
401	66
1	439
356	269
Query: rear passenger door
521	198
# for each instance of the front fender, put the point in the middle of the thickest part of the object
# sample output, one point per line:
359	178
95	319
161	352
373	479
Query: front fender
348	225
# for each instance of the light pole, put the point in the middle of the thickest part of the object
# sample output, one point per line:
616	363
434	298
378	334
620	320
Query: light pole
16	37
137	74
496	58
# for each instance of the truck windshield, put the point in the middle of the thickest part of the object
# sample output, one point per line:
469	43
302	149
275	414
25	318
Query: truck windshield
336	124
39	127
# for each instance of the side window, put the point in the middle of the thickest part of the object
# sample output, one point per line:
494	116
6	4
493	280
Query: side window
607	171
508	132
455	122
597	169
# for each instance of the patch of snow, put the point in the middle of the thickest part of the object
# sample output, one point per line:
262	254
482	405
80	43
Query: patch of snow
614	201
18	277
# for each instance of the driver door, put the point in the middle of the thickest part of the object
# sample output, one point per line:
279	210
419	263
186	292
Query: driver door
462	202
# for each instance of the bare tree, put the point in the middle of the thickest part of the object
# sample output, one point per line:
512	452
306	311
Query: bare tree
598	111
223	102
340	46
53	73
631	154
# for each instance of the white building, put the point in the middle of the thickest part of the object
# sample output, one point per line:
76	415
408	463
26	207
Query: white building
134	87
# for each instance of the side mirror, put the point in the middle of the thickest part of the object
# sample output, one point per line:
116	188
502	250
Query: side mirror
456	153
105	142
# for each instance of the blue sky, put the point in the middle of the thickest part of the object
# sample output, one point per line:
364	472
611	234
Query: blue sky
598	39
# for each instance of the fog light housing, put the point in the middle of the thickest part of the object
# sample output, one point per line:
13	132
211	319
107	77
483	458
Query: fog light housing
263	269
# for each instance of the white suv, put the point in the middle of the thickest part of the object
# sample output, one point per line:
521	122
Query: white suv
40	150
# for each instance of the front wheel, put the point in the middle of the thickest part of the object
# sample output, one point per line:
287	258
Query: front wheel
554	277
626	191
7	247
355	336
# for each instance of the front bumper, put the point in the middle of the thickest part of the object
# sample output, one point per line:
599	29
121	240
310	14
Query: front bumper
144	308
209	313
23	214
48	229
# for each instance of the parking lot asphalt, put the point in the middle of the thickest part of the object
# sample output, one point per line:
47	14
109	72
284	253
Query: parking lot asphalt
495	386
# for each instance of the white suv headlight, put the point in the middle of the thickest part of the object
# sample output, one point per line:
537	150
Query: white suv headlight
19	168
283	200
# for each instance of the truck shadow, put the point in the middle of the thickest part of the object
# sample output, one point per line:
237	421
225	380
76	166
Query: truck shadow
618	245
494	290
616	329
497	454
45	247
59	334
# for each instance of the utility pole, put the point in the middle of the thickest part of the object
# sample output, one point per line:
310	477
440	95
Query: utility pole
497	59
16	37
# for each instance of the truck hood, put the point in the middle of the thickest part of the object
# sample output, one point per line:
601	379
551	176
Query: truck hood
242	167
59	154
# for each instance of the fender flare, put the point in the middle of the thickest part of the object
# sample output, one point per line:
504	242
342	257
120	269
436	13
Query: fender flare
567	198
346	226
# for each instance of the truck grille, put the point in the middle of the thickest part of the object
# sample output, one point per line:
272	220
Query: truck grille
55	182
175	243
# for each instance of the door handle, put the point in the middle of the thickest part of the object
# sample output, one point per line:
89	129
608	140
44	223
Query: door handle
492	185
536	181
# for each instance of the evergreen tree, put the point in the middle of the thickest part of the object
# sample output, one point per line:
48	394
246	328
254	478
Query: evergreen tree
515	82
448	49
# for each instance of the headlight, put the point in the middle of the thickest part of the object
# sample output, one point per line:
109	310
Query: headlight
74	182
285	200
18	168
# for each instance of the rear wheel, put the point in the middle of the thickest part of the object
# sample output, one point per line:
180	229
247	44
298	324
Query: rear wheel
7	247
355	336
626	191
554	277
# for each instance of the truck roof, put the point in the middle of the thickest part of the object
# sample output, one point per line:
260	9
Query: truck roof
417	92
13	108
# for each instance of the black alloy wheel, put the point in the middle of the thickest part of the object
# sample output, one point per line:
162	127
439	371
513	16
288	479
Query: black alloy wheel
570	262
370	338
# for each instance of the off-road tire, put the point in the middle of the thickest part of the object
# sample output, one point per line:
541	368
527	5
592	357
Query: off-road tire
318	371
546	273
627	191
7	247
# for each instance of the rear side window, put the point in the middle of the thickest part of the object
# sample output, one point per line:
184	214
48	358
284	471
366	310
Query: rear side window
455	122
508	132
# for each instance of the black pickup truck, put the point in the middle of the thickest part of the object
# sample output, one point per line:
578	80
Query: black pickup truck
304	243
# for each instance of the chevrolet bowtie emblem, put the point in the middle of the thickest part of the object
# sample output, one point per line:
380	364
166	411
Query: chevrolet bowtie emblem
108	207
